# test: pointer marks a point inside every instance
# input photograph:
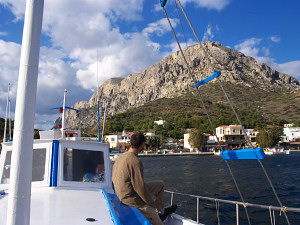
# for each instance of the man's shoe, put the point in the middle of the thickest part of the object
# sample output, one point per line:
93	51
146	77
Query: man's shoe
167	211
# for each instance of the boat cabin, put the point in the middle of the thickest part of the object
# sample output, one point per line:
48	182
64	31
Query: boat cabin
63	163
71	183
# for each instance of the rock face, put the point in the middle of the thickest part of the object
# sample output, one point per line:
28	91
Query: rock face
170	77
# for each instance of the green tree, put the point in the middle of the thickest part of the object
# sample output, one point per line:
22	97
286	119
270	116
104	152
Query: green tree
197	139
296	123
269	138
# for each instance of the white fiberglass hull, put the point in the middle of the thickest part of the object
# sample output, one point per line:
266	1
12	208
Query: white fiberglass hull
57	206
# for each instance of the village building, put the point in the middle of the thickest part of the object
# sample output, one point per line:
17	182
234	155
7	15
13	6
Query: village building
118	142
231	135
291	133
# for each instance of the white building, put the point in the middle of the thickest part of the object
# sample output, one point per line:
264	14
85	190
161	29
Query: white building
112	140
121	142
231	135
150	135
224	130
291	133
211	139
160	122
186	143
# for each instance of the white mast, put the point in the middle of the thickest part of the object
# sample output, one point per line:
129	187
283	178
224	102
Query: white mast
18	212
104	119
63	123
7	106
9	116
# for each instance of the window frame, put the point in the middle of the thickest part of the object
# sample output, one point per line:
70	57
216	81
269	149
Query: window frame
87	146
8	147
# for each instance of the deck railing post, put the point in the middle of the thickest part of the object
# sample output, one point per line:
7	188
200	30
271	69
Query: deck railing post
197	210
236	203
237	214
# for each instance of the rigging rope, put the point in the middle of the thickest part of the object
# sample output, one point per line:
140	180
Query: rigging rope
193	78
218	211
181	23
229	101
246	136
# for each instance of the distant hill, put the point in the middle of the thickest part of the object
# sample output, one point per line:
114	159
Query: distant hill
251	86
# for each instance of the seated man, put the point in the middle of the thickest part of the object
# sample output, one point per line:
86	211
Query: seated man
128	180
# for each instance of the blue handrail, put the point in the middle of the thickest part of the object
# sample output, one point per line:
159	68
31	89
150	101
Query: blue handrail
215	75
247	153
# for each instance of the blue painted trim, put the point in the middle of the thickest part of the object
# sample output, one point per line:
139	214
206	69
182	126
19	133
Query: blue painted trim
2	193
247	153
123	214
99	140
54	164
61	107
163	3
215	75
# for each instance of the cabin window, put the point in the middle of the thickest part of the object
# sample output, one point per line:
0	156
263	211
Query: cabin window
6	171
38	166
83	165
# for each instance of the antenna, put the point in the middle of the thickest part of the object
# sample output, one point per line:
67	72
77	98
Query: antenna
104	119
9	116
98	101
63	125
6	115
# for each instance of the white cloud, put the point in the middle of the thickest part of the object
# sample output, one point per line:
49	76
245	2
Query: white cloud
16	6
9	70
275	38
210	32
210	4
251	47
291	68
3	33
174	46
76	31
160	27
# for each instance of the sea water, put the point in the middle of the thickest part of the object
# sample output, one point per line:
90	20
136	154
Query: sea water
209	176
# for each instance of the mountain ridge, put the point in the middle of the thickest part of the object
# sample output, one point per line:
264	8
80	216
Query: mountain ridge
169	78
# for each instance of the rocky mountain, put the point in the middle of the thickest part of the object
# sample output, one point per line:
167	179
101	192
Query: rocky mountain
170	78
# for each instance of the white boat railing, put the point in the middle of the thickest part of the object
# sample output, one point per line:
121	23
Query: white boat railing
236	203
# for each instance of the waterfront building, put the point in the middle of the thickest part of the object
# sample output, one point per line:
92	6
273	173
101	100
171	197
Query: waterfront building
120	142
252	134
291	134
231	135
186	143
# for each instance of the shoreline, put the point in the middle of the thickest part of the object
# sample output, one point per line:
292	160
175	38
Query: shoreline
169	154
177	154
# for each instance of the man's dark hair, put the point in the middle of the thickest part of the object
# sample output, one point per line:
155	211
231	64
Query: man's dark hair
137	140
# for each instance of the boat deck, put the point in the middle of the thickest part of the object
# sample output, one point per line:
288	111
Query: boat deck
56	206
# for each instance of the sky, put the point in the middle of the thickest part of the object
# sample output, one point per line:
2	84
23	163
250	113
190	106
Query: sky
86	42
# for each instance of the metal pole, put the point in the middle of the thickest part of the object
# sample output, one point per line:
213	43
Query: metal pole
63	122
9	116
5	126
104	119
237	214
18	210
197	210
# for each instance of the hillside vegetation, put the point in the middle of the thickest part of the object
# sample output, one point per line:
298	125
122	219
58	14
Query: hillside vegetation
256	108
